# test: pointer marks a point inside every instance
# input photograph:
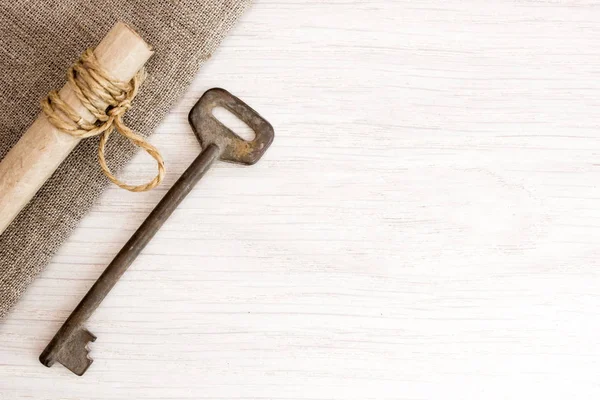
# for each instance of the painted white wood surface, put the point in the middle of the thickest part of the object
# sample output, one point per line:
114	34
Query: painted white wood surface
425	225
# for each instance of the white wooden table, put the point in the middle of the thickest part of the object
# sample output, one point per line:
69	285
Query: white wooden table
425	226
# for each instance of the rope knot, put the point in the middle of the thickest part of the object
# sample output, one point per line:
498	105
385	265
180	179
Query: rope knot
107	99
119	109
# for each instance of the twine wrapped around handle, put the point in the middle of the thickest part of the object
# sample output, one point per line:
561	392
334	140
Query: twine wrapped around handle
43	147
107	99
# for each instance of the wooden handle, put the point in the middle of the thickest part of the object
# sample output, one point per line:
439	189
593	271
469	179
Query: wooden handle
43	148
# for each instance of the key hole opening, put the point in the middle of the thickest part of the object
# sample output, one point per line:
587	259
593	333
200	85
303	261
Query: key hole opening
236	125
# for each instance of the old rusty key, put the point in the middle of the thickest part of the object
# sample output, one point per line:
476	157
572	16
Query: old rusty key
69	345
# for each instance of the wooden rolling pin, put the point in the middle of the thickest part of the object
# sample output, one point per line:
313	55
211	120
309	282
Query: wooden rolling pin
43	148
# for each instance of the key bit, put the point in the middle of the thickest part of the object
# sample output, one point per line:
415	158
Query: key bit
70	344
72	352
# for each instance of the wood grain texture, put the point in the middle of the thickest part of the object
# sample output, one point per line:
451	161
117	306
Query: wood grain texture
424	227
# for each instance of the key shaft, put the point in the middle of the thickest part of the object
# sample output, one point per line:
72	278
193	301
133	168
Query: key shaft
129	252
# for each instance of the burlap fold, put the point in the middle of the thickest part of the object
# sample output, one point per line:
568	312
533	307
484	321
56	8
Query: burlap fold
39	40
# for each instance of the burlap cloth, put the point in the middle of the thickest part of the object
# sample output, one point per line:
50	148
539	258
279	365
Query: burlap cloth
39	40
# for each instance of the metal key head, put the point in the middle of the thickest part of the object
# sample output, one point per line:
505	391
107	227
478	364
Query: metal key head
71	351
209	130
